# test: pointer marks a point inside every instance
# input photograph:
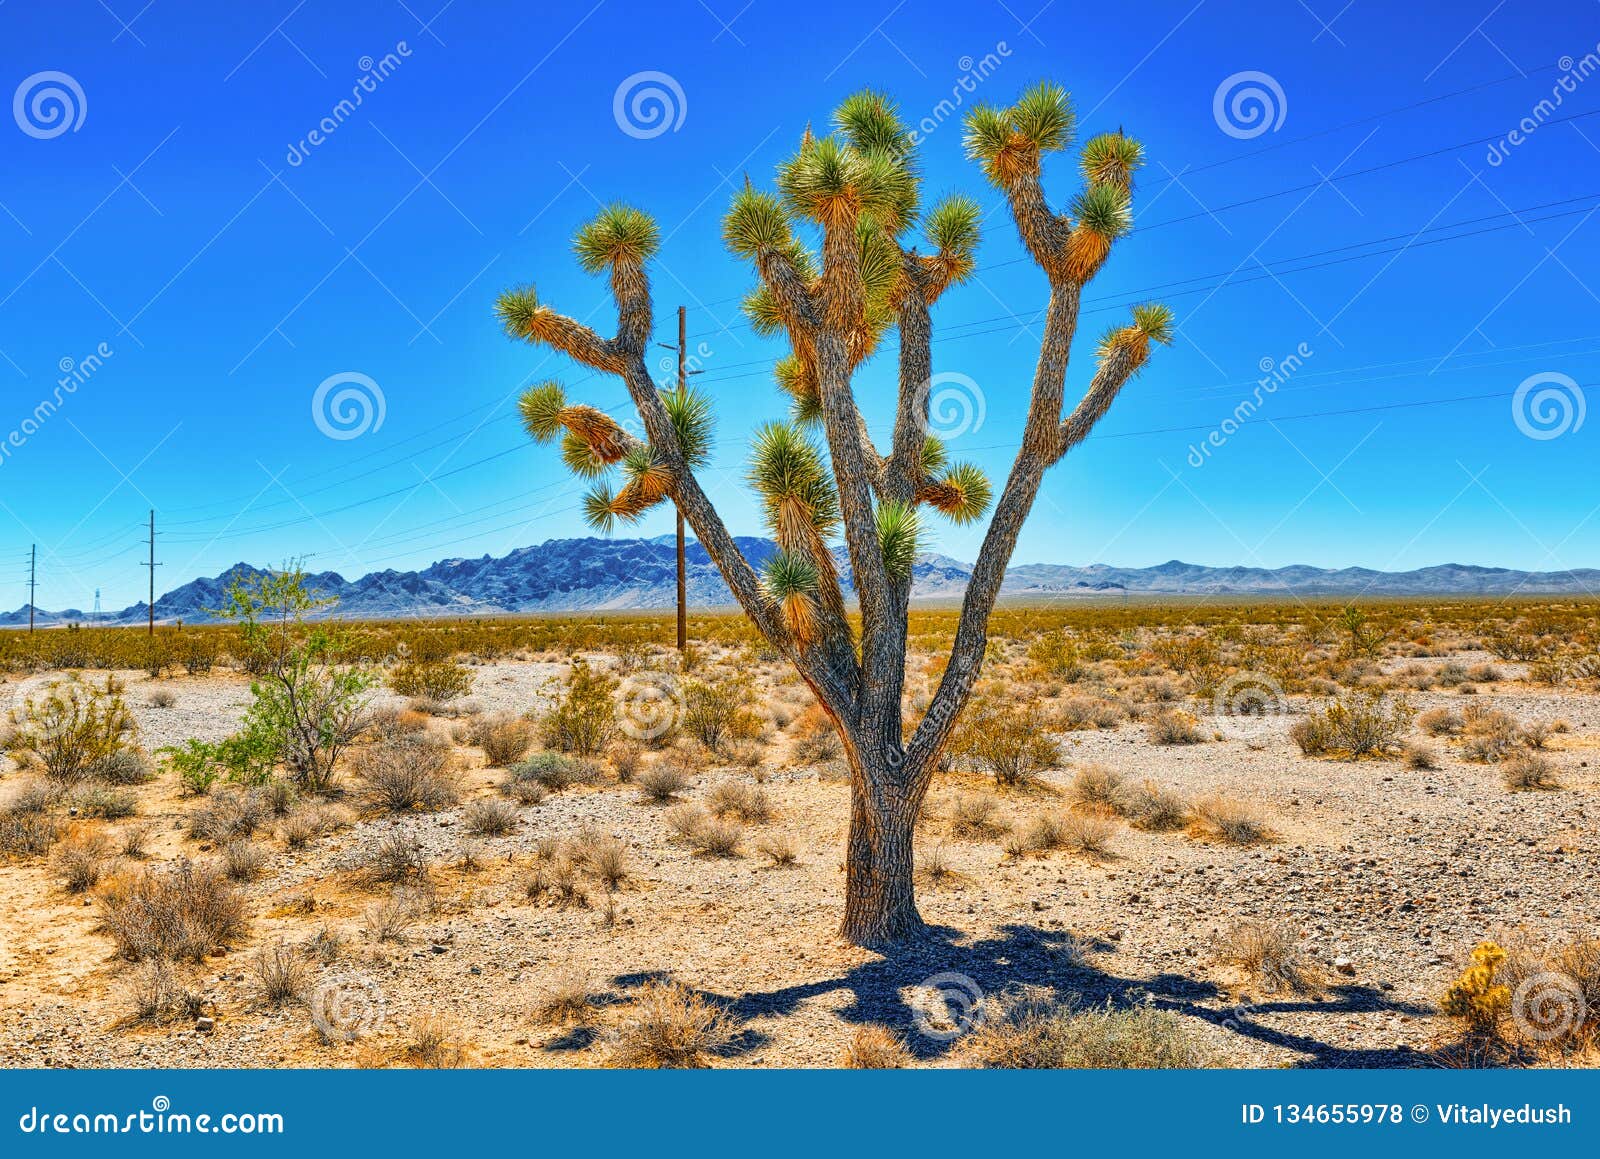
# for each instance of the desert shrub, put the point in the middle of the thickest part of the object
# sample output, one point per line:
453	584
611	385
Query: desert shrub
778	848
104	803
815	738
1083	712
27	834
177	912
397	859
161	698
302	826
1477	998
1561	988
1357	724
554	771
584	719
669	1025
1153	807
439	680
243	861
505	741
73	727
1171	726
1269	955
134	838
746	802
1528	770
1096	787
488	817
390	919
406	774
875	1047
1440	722
1415	755
1055	654
662	783
158	994
434	1043
718	711
230	815
1228	820
197	652
569	1000
973	815
626	758
606	860
1031	1033
82	859
718	838
122	767
1488	735
1006	740
1087	833
280	974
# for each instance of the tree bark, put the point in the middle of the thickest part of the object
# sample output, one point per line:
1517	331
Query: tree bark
880	905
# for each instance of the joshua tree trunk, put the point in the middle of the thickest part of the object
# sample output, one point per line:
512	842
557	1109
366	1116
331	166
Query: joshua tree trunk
835	298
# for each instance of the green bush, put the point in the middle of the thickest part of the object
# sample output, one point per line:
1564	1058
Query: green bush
584	720
74	727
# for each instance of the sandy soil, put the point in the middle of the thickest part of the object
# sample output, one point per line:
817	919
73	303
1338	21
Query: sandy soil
1395	874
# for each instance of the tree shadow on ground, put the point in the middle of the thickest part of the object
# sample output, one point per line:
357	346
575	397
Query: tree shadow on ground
882	991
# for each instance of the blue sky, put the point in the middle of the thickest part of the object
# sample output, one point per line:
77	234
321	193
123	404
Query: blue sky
230	265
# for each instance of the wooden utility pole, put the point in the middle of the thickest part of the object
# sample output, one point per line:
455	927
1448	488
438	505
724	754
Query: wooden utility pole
33	575
683	386
152	565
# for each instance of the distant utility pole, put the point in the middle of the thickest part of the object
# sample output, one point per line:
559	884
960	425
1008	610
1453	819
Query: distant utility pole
683	385
152	565
33	576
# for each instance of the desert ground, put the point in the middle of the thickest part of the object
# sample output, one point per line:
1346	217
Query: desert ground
501	871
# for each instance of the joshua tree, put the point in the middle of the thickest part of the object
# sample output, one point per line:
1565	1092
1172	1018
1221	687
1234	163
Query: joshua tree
835	274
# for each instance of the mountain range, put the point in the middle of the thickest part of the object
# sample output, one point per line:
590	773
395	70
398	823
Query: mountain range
565	575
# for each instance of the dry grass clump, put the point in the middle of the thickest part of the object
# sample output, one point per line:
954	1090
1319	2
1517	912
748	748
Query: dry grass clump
815	739
746	802
1440	722
82	859
397	858
780	849
1359	723
1084	712
27	834
1171	726
972	815
603	858
243	861
670	1026
876	1047
933	866
303	825
662	782
182	911
570	1000
434	1043
158	994
489	817
390	919
1228	820
161	698
411	773
230	815
1416	755
1153	807
710	835
558	881
1032	1033
1528	770
1488	735
134	838
1097	789
505	740
1086	833
280	974
627	758
1270	956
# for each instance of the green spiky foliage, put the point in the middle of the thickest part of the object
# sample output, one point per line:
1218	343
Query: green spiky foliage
620	235
845	258
899	537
